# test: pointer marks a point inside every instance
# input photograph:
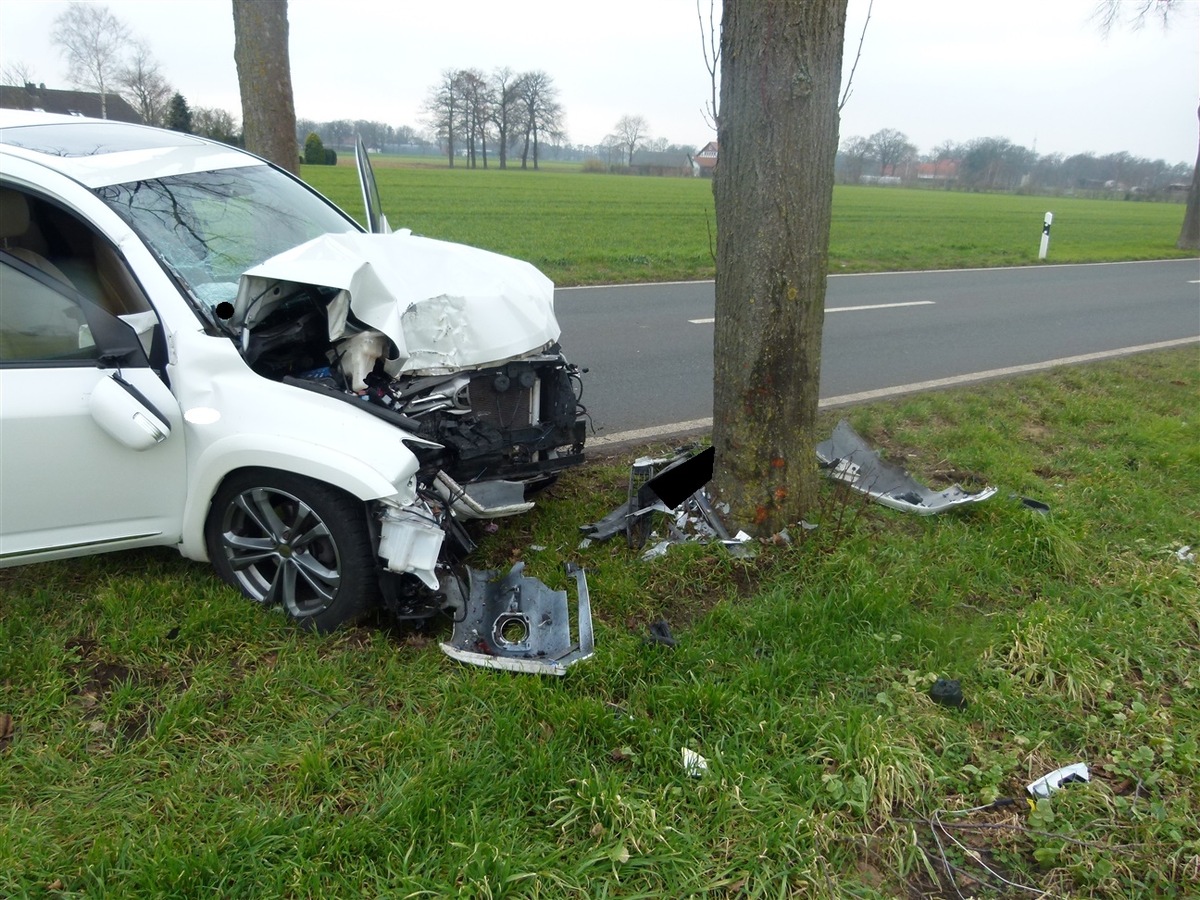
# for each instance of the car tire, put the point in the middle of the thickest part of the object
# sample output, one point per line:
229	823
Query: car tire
288	541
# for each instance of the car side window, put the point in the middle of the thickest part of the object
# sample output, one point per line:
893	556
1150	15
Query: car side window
41	323
65	247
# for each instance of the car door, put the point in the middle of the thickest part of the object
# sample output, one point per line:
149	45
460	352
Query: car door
377	222
91	438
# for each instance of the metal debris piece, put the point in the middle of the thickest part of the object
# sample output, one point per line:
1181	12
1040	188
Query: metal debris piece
948	692
660	633
694	764
683	477
1048	784
674	487
614	523
517	623
848	458
659	549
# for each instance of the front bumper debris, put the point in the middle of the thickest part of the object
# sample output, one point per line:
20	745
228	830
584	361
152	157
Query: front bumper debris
517	623
847	457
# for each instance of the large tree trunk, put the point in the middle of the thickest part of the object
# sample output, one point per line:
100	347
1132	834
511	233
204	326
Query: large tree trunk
1189	234
260	49
780	71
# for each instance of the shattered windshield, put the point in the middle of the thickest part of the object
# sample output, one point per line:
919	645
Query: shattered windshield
208	228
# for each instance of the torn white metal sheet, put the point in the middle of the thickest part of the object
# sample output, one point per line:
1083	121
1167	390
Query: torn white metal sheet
849	458
1048	784
694	765
445	306
518	624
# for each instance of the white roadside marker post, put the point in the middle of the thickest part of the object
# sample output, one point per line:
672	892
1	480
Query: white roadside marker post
1045	235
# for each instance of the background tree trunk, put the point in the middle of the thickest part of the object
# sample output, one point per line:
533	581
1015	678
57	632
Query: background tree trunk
1189	234
780	72
260	49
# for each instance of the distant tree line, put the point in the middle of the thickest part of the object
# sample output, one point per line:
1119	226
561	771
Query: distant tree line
339	134
997	164
512	114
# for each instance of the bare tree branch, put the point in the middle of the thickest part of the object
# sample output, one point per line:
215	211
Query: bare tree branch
846	91
144	86
17	72
710	46
1110	13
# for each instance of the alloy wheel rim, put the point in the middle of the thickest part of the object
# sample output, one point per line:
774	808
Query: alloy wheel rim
281	552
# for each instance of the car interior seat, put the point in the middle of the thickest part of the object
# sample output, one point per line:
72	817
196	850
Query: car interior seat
20	236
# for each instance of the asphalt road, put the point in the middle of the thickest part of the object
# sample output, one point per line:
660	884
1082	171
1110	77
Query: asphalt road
648	348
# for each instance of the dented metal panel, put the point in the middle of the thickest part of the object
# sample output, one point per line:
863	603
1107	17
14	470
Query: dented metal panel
517	623
445	306
847	457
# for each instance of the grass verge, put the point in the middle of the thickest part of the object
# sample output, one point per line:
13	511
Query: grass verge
159	736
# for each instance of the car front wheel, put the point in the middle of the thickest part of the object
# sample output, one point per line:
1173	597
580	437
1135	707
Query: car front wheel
288	541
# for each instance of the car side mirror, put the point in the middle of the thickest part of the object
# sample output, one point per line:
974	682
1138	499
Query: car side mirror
125	414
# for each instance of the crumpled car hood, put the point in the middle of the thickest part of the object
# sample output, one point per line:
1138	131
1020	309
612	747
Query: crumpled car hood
445	306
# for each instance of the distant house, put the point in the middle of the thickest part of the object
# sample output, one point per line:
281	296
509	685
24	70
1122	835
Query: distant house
39	98
941	170
661	162
706	159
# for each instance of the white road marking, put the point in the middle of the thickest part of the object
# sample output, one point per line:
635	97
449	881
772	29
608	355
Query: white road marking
642	435
834	309
664	431
879	306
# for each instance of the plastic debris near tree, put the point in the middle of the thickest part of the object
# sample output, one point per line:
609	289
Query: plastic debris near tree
675	487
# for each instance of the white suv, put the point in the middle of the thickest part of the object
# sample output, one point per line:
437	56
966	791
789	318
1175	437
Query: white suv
197	350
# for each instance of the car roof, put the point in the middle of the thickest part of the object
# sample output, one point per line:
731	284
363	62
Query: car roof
99	152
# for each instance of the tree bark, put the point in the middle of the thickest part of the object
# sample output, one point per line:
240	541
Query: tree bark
260	49
773	186
1189	234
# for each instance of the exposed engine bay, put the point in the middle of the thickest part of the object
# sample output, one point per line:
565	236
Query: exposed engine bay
516	421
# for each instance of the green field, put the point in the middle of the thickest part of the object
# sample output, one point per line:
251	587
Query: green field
162	737
596	229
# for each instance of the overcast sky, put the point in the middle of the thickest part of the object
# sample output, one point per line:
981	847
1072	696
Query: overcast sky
1028	70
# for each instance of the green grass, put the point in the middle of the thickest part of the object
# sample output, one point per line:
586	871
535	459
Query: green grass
590	229
170	739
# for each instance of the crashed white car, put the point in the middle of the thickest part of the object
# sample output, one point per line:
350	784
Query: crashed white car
197	350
